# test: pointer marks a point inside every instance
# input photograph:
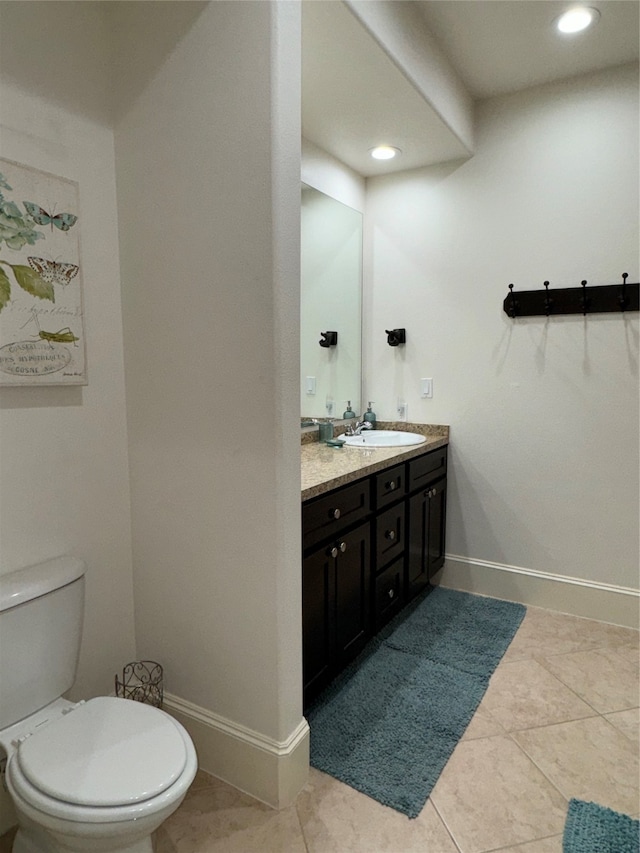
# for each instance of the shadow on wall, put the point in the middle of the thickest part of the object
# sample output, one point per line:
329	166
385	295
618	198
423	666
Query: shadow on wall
538	333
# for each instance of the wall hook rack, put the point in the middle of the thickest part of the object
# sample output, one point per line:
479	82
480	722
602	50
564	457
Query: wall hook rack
329	339
586	299
395	337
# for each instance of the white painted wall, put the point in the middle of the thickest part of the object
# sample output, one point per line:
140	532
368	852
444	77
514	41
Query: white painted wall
208	157
63	450
543	415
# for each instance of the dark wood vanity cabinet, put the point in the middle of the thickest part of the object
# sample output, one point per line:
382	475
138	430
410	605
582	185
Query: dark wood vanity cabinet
368	549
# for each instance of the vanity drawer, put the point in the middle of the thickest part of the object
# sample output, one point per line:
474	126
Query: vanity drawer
325	516
389	485
427	468
388	593
389	533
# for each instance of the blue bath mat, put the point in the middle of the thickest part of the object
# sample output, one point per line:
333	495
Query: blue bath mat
591	828
389	723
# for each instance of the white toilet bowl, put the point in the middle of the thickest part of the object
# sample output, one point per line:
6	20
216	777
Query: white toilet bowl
100	776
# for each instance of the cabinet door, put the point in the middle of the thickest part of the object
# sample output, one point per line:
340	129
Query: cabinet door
352	596
388	593
426	535
336	607
318	596
437	520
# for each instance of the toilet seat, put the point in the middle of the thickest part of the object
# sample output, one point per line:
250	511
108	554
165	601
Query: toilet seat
107	760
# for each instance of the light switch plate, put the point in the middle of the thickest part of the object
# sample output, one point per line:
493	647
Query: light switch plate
426	387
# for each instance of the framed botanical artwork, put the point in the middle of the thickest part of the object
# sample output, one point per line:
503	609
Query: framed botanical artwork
41	315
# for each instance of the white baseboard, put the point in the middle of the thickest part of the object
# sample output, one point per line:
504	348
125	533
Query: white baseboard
606	602
270	771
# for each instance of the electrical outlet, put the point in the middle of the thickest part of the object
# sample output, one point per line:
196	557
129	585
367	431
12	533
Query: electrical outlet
402	410
330	406
426	387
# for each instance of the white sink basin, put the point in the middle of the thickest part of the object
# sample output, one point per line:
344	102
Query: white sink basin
383	438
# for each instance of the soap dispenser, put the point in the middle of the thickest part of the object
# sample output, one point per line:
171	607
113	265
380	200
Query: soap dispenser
349	412
370	416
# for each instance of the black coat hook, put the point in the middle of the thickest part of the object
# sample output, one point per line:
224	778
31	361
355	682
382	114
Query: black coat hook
395	337
622	299
329	339
548	301
585	298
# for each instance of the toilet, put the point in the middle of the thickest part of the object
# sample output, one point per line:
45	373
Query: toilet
100	775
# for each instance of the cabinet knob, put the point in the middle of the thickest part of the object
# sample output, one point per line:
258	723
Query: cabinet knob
334	552
334	513
391	485
343	546
390	534
391	593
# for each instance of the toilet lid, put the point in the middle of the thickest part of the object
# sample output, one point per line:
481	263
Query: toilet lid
106	752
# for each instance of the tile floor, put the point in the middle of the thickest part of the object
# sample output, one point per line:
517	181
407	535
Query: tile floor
560	719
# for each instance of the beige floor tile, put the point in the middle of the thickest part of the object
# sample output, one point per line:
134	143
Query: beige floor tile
482	724
337	819
544	845
523	695
219	819
631	653
545	632
603	677
6	841
628	722
588	759
490	795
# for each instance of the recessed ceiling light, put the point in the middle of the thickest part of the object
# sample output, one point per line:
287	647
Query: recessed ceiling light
384	152
577	19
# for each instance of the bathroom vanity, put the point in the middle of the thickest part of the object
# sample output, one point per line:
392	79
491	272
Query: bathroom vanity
373	537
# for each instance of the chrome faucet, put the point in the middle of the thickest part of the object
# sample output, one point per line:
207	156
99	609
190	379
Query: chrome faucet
357	428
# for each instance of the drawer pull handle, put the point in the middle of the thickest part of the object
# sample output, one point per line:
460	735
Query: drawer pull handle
391	485
334	513
343	546
390	534
391	593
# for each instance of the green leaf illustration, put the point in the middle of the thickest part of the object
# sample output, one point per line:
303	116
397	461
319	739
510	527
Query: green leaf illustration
30	281
5	288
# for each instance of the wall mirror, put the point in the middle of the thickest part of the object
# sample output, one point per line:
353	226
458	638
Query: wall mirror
331	301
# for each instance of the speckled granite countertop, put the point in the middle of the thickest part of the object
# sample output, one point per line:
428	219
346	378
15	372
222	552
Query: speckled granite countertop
325	468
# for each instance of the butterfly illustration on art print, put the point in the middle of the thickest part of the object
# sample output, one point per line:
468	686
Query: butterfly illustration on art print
62	221
54	272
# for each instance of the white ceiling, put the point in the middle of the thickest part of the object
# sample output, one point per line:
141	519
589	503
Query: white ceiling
354	96
500	46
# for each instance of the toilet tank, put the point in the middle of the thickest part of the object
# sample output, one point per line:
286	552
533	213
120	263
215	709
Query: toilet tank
41	611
